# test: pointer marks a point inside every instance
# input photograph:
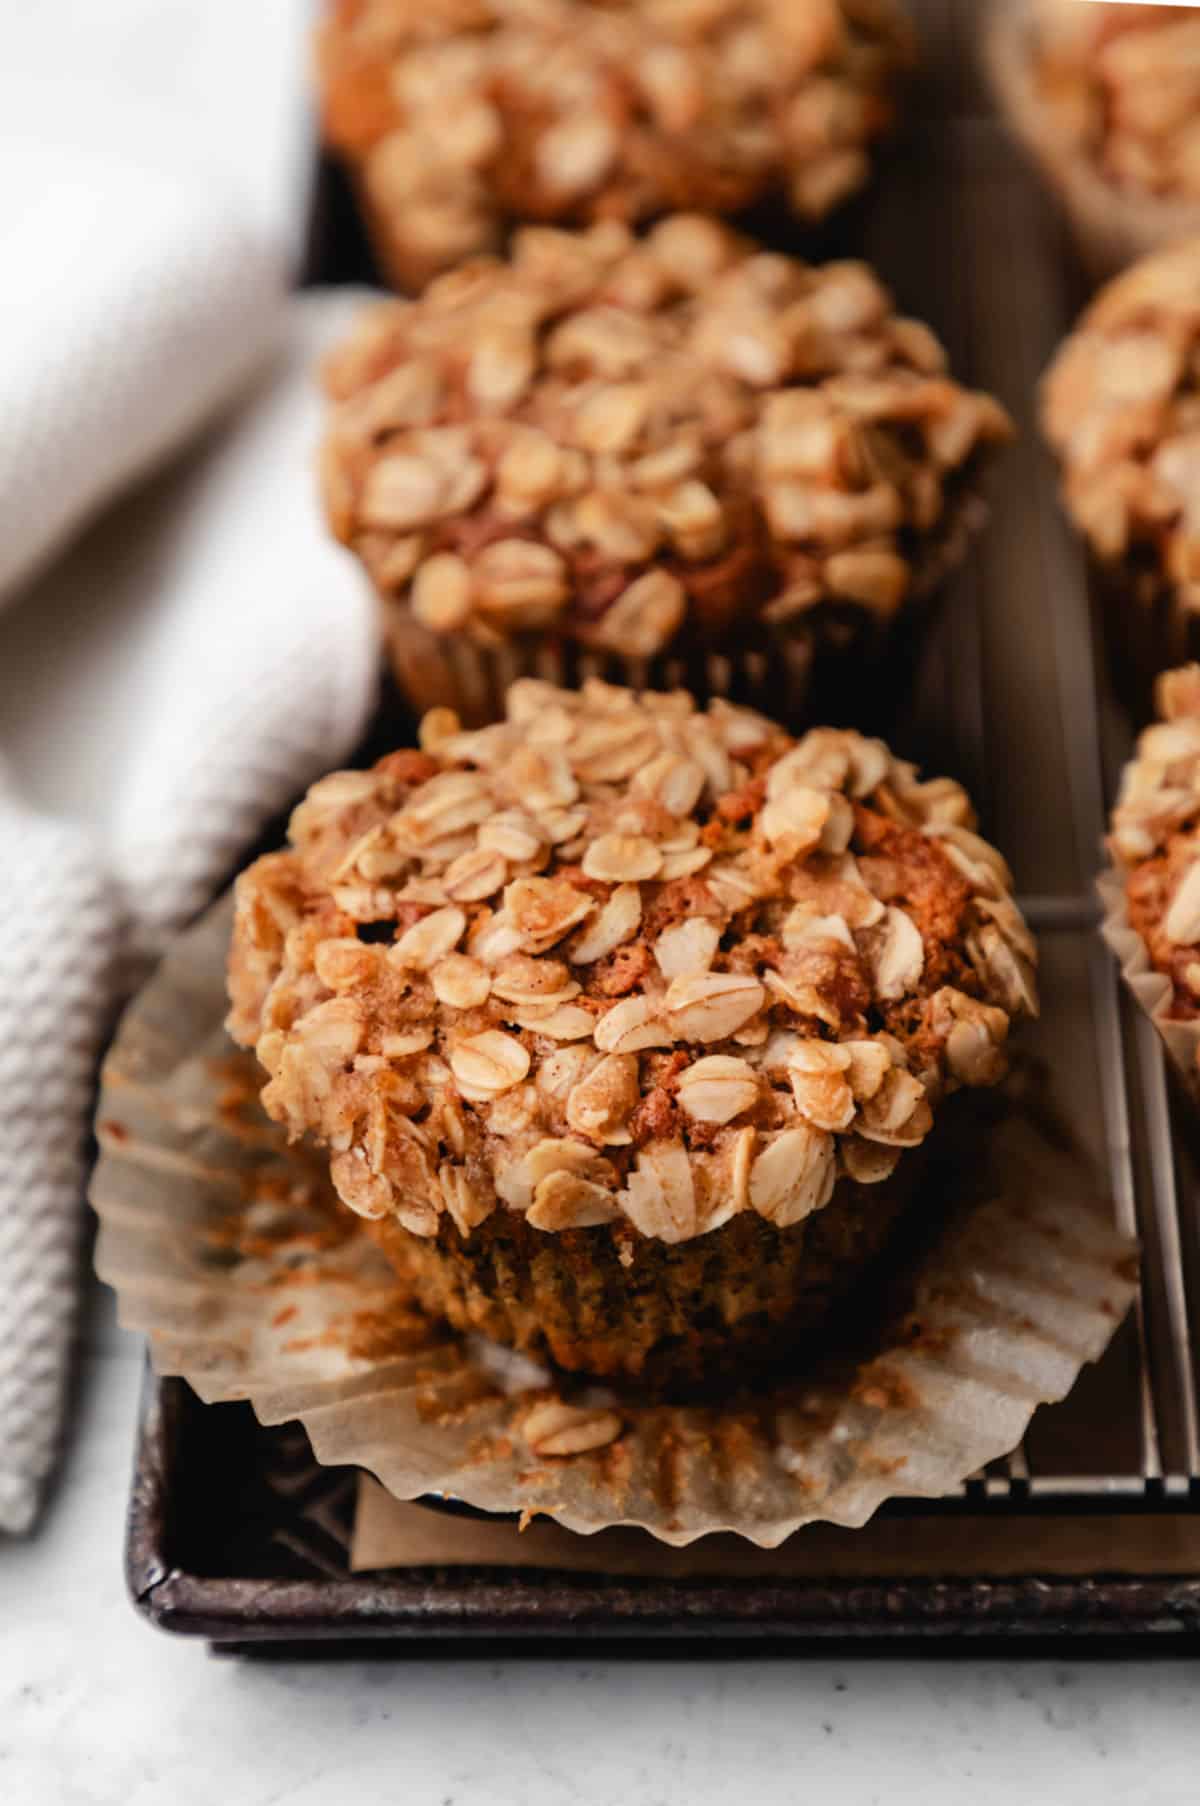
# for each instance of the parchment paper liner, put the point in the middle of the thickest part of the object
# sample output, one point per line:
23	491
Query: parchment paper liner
1030	1285
1151	988
1112	226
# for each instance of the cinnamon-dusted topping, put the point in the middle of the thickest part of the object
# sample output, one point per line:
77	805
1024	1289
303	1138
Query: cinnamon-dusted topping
1121	407
460	118
765	436
596	1039
1122	87
1155	836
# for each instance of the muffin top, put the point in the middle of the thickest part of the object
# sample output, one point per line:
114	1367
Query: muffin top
1122	85
618	961
604	436
1156	837
1121	407
468	113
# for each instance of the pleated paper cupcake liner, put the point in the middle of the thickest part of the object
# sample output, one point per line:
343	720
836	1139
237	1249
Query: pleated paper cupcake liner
1151	988
1111	226
778	674
229	1251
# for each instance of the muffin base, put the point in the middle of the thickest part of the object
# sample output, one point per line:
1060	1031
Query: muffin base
824	662
1146	631
718	1308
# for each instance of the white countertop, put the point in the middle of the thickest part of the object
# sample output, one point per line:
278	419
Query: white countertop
98	1709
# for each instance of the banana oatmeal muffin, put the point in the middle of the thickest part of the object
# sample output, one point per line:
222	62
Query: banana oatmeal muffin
1108	99
624	1021
1154	898
1123	83
1121	408
625	448
458	117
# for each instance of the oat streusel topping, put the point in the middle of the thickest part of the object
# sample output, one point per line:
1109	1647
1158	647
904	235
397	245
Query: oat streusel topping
1123	87
465	114
605	435
1155	836
616	958
1121	407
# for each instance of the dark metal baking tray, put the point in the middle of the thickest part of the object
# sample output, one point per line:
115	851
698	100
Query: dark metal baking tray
237	1535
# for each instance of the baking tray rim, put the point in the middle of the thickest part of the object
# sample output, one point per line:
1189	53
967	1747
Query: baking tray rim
473	1605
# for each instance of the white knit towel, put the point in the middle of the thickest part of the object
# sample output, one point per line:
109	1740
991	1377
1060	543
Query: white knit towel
251	670
167	685
58	944
115	330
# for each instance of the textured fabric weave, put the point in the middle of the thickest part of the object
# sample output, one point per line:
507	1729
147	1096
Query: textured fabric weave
259	674
92	395
57	963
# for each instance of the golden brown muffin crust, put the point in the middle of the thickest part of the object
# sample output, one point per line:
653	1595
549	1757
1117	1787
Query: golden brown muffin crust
1121	408
560	977
1122	84
621	441
461	117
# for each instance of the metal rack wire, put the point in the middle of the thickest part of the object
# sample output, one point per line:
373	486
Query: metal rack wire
1014	696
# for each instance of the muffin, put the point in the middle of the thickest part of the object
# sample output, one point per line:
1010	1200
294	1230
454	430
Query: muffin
460	117
1121	408
628	450
1152	897
625	1022
1107	98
